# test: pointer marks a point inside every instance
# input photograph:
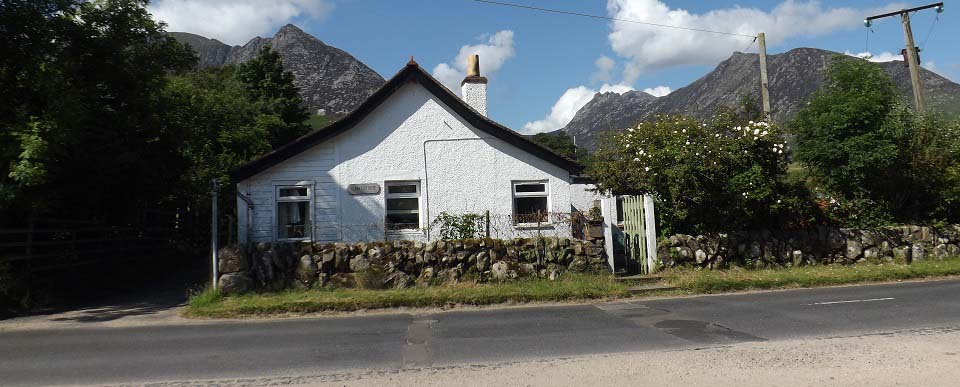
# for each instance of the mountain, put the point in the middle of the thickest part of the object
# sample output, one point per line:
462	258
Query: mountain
328	77
792	77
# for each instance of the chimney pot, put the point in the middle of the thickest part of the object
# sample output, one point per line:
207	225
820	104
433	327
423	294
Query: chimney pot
474	87
473	66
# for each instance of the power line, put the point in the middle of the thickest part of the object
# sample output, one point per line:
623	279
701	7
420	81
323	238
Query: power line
610	18
750	45
923	43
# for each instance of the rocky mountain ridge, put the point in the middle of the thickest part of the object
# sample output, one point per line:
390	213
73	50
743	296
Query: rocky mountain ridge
792	75
329	78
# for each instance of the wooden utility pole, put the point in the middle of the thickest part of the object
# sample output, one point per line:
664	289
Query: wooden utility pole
764	92
912	58
913	63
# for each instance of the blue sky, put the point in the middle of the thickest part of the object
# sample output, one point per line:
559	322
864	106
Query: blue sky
543	66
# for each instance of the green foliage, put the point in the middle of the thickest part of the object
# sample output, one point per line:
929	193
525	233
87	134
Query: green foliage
317	121
870	158
723	175
82	83
462	226
561	143
272	89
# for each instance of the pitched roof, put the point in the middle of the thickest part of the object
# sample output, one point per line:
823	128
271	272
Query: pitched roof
412	72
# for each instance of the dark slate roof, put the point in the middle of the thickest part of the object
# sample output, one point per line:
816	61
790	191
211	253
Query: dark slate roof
412	72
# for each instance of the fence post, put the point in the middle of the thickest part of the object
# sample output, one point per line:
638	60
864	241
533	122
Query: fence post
213	233
487	232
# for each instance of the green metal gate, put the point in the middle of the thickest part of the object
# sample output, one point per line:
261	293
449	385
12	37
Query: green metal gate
634	233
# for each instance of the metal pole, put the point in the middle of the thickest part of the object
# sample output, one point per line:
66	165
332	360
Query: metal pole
213	233
764	91
913	63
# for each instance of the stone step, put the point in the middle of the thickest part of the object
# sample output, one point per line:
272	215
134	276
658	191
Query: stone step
640	290
641	278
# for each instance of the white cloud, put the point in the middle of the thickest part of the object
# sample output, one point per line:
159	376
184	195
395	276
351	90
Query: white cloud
605	66
658	91
567	106
885	56
235	21
651	48
493	53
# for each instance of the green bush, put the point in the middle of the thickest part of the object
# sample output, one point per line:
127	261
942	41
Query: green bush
462	226
718	176
871	159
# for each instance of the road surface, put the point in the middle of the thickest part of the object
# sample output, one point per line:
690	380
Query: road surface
284	349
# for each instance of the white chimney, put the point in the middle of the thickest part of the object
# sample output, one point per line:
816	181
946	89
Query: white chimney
474	87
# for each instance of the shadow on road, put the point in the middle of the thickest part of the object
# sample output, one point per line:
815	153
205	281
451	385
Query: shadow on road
139	288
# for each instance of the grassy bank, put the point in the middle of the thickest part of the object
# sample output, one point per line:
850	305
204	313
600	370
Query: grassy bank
209	304
717	281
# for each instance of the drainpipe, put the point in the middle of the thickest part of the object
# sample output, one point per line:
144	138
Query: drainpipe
426	180
249	202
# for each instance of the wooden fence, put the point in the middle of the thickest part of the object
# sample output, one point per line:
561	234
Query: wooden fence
47	244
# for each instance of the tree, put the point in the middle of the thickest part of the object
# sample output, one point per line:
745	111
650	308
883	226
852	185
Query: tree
83	139
561	143
871	158
272	88
231	115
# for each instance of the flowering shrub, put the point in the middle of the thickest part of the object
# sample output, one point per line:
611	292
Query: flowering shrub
707	177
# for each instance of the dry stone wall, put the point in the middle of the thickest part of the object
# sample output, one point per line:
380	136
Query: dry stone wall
400	264
822	245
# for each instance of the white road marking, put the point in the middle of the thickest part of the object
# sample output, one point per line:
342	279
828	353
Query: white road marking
851	301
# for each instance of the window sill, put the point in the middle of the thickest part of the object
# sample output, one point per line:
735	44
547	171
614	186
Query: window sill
295	240
404	234
534	226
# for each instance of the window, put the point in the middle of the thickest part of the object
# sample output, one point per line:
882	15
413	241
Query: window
530	202
293	213
402	206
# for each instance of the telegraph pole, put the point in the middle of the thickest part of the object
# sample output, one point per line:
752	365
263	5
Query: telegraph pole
912	58
764	92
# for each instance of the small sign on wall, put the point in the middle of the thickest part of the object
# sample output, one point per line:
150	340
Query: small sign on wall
364	189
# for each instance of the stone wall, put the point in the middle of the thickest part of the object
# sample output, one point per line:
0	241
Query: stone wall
399	264
822	245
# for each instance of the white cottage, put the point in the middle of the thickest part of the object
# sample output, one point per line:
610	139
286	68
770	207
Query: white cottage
410	152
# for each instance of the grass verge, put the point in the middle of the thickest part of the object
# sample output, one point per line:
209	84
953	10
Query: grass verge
209	304
717	281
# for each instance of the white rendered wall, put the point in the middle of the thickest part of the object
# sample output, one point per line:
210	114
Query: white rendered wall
582	198
467	171
475	95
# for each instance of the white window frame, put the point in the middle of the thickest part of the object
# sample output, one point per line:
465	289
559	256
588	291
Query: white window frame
309	198
513	202
419	211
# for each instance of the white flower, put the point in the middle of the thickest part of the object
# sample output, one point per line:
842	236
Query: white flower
647	169
687	143
755	137
778	201
636	159
764	133
755	131
684	131
780	151
751	122
775	149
